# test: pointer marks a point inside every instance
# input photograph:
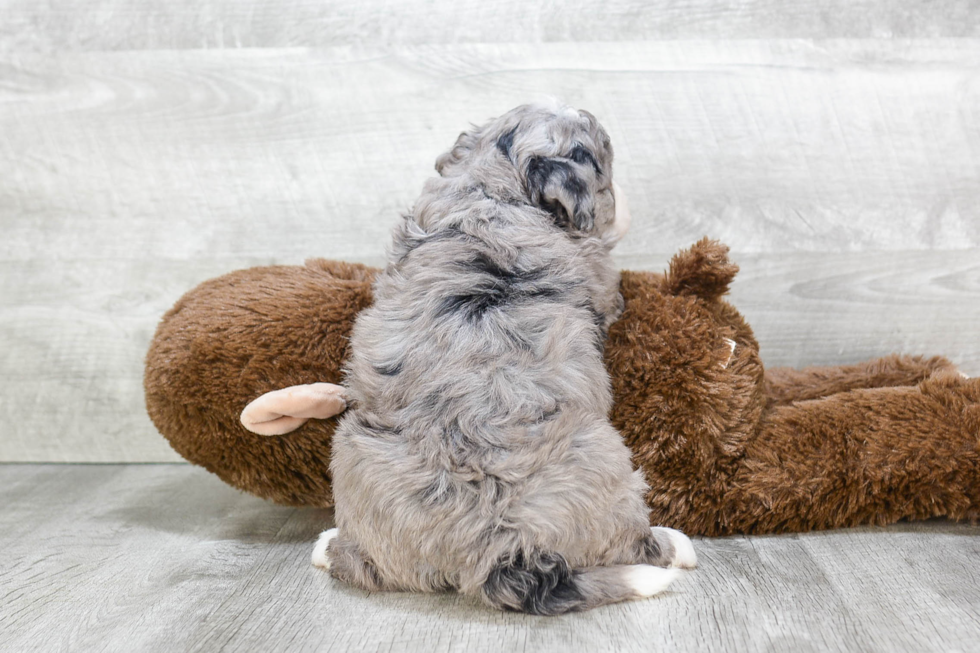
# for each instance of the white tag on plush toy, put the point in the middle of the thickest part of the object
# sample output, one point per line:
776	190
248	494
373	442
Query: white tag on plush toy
281	411
731	345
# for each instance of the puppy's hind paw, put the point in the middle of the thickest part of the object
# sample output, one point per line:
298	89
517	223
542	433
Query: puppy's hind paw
319	557
684	555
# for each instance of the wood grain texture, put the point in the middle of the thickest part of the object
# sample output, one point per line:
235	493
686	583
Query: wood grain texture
67	25
165	557
771	146
845	172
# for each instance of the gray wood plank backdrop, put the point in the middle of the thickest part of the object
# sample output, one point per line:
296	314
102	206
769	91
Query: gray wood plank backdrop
147	146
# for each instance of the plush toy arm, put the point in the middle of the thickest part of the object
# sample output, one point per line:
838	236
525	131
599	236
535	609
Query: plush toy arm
281	411
784	385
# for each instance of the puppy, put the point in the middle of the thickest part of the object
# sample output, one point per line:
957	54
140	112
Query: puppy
477	454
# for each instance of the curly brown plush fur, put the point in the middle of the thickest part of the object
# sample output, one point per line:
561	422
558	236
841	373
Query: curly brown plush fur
726	446
236	337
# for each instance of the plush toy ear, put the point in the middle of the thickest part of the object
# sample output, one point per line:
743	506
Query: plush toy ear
564	188
702	270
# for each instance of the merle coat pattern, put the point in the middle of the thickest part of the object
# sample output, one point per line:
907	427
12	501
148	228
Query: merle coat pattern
477	454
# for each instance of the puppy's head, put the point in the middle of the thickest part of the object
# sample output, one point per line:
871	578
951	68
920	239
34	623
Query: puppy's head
556	158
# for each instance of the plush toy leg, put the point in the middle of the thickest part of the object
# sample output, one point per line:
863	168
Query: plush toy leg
871	456
785	385
281	411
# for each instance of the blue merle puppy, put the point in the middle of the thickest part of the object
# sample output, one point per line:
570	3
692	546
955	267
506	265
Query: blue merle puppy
477	454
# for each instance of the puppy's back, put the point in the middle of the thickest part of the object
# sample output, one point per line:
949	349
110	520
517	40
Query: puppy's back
489	323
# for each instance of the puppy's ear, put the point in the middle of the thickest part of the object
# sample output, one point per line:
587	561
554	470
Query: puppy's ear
465	144
506	143
565	188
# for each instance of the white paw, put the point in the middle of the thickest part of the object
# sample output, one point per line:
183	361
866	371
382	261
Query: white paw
319	557
964	375
684	555
647	580
731	345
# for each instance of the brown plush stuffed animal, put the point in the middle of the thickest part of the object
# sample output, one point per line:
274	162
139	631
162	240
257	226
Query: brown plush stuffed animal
726	447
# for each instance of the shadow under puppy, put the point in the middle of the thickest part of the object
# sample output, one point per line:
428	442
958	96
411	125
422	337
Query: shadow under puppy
477	454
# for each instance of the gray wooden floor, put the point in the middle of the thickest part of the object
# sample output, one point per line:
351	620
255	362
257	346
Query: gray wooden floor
166	558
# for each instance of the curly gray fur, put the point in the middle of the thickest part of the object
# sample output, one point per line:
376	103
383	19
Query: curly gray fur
477	454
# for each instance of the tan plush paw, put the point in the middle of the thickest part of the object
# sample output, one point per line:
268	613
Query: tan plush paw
282	411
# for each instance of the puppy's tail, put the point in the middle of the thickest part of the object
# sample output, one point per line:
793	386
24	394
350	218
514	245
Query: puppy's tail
543	584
